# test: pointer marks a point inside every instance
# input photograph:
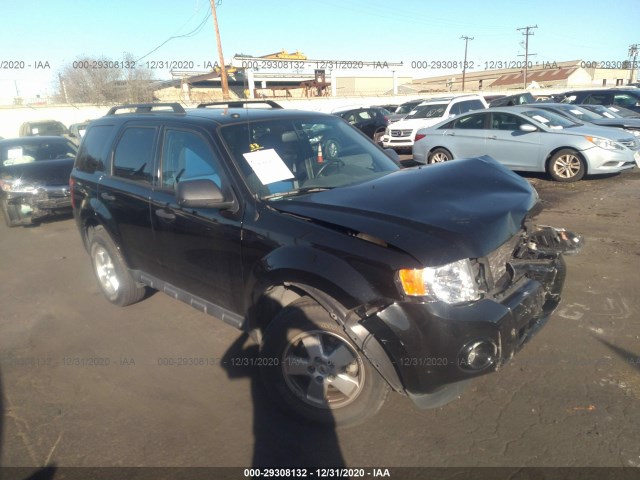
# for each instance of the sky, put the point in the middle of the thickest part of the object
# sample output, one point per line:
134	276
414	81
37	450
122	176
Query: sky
39	37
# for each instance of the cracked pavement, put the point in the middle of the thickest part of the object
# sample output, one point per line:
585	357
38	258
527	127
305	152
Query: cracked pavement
571	397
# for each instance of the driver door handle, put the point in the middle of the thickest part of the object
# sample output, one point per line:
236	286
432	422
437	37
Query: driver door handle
165	214
492	137
107	196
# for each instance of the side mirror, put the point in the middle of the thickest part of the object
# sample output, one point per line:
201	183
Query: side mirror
527	127
201	193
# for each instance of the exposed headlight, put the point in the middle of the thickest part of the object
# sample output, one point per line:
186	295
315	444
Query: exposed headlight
386	131
451	283
635	133
17	185
604	143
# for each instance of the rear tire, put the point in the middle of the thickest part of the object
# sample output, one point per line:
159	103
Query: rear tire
439	155
566	166
111	271
312	369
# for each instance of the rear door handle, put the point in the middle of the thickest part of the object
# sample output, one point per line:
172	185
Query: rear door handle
492	137
165	214
107	196
452	134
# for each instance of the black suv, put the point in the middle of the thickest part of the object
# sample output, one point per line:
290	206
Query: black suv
627	98
355	276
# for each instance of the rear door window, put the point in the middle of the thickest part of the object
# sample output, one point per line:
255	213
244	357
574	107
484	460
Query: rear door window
133	156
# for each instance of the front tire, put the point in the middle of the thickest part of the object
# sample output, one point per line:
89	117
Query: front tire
567	166
439	155
315	371
111	271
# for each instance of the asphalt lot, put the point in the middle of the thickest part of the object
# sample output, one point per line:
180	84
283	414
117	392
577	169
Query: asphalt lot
83	382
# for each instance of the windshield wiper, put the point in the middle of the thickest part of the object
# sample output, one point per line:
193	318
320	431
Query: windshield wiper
293	193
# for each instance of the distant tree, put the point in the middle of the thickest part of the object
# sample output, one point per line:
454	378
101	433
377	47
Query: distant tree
104	80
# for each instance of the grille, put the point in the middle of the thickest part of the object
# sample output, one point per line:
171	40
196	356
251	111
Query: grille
401	133
499	257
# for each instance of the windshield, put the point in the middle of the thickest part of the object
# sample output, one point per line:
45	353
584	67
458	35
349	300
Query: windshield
280	158
550	119
428	111
622	112
582	113
15	152
602	110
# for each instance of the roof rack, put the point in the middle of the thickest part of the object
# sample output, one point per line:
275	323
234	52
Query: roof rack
240	103
147	107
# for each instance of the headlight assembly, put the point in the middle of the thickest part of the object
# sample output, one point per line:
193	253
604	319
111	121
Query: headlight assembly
451	283
605	143
16	185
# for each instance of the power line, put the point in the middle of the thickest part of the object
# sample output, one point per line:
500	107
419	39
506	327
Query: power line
526	51
193	32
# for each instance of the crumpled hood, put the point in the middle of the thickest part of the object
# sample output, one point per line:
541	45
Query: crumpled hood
438	213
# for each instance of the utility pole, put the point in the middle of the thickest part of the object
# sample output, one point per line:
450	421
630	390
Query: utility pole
526	51
223	69
464	66
633	54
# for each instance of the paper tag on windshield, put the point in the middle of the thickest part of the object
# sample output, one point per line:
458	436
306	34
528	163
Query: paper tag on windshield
577	112
14	153
540	119
268	166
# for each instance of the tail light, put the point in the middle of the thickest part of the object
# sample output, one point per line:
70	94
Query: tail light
72	184
419	136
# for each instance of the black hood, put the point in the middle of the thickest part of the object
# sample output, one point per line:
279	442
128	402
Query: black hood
437	213
44	172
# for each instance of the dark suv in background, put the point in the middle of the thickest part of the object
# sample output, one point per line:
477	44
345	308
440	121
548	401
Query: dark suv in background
355	276
372	121
626	98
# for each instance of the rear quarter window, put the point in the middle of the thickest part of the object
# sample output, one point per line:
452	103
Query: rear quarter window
93	150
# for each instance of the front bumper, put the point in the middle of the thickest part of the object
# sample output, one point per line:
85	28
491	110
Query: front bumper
601	161
44	201
432	345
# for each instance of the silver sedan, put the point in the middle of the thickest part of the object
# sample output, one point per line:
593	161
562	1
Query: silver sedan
528	139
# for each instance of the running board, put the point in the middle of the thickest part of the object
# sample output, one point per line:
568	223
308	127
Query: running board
198	303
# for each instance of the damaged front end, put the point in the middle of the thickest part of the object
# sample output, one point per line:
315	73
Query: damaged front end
25	201
526	274
435	343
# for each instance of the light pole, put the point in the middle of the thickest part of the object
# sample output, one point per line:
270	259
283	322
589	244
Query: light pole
223	69
464	66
